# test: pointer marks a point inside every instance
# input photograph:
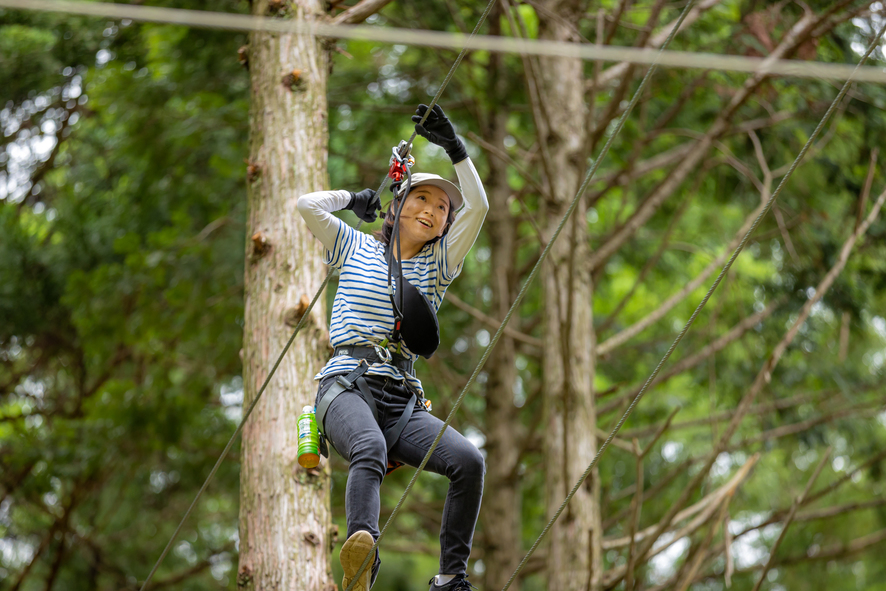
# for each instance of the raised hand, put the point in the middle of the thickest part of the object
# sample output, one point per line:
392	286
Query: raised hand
438	129
365	204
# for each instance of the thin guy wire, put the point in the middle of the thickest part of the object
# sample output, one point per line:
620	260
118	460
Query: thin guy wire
441	39
451	72
498	333
697	310
248	412
295	332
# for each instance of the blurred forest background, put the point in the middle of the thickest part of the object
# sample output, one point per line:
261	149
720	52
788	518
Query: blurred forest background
124	238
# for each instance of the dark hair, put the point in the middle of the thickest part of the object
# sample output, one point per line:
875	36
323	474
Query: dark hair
384	235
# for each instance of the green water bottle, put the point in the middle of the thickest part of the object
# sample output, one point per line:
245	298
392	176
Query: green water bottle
308	439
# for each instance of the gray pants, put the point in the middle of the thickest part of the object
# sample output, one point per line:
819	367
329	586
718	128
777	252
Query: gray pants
354	433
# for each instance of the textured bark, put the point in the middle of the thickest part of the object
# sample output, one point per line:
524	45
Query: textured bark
284	509
501	513
575	560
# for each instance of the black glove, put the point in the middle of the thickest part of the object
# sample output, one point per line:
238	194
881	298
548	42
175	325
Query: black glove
438	130
365	204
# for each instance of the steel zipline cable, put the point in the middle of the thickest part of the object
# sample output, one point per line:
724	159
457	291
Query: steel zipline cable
701	305
302	321
447	40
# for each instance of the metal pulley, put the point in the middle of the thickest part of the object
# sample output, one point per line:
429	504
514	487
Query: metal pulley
401	162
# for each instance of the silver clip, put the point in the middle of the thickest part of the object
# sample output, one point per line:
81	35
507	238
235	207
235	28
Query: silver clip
382	353
401	153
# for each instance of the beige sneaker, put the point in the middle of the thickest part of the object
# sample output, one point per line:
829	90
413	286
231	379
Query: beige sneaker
353	553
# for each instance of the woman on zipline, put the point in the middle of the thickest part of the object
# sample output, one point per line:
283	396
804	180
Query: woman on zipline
370	405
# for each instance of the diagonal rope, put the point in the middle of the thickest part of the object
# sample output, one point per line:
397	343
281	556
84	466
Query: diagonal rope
300	325
451	73
230	443
446	40
701	305
498	333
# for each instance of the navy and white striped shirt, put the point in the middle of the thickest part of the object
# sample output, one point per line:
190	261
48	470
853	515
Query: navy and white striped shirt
361	310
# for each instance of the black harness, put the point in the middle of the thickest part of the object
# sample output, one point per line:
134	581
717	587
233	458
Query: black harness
355	379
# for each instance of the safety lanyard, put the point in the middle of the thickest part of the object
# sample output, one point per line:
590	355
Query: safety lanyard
400	172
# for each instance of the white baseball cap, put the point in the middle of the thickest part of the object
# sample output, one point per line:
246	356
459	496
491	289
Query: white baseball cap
451	190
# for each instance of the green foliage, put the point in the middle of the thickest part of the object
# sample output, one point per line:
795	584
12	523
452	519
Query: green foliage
121	306
26	54
121	292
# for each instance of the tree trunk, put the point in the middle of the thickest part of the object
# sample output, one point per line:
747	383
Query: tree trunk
575	561
501	513
284	509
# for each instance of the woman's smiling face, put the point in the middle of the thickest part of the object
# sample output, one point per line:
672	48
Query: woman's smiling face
425	213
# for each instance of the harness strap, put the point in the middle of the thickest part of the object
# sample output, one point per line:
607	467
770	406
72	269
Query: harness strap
343	384
355	378
393	434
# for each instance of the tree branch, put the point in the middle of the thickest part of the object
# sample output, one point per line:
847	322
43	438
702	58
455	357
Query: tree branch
704	549
60	524
862	410
795	37
650	264
841	550
825	513
723	341
669	304
633	170
846	477
790	518
627	175
10	486
760	409
504	157
359	12
492	322
634	525
684	466
614	106
765	374
702	507
190	572
617	71
530	66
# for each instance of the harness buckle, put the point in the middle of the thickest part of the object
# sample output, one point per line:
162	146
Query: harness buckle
382	353
343	379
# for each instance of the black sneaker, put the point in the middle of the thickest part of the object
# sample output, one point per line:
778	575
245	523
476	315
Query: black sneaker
459	583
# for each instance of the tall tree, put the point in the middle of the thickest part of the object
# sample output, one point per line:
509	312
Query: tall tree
285	526
285	523
501	510
575	560
121	272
